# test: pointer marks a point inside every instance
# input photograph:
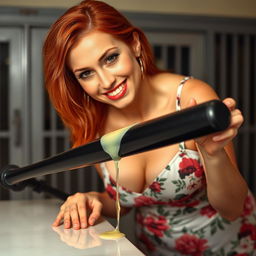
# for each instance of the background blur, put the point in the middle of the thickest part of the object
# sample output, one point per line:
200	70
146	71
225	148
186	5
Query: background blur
211	40
228	8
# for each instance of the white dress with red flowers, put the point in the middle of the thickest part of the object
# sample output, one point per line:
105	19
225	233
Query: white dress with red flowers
174	216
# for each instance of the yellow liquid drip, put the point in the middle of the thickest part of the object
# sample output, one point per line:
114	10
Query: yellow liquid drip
112	235
111	145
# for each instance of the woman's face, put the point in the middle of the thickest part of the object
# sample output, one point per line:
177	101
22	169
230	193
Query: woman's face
106	68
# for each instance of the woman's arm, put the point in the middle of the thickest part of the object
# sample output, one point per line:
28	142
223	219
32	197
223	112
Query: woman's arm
226	188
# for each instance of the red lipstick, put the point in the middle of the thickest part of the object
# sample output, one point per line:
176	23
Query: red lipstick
119	94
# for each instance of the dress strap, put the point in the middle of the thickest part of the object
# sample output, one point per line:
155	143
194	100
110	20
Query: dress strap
178	107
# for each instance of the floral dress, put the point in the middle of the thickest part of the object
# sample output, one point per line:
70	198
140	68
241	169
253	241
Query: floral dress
174	217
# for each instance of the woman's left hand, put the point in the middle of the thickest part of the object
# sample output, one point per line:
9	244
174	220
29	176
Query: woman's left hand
215	142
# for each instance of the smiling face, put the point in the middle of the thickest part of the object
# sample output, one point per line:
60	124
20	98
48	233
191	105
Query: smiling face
107	68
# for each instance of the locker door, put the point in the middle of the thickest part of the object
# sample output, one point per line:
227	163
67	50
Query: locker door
13	147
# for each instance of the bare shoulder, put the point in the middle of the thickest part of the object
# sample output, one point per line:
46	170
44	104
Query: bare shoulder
197	89
167	80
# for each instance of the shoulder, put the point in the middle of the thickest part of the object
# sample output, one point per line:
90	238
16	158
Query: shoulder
193	88
197	89
167	80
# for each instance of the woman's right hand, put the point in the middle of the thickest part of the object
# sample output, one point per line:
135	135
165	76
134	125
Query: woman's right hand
79	211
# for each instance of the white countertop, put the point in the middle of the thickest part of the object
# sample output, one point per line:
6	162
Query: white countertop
26	230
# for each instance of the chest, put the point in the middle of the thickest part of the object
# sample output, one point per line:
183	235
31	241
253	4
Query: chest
139	171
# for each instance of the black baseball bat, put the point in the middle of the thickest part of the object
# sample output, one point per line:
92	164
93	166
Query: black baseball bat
202	119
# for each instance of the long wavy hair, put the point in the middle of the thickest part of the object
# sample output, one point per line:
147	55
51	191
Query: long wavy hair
84	118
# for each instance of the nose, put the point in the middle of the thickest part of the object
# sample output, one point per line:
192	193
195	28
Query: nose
107	79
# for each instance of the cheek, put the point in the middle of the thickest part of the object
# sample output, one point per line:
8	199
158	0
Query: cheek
89	88
126	66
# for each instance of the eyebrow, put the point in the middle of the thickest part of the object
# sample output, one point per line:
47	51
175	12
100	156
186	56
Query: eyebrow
100	59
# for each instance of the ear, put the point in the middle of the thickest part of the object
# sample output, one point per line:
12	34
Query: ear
136	46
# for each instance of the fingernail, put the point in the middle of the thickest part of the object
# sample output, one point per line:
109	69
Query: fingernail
83	225
76	225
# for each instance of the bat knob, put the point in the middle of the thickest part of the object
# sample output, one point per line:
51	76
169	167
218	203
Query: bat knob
3	175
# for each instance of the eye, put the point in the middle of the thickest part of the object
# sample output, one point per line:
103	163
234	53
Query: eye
112	58
85	74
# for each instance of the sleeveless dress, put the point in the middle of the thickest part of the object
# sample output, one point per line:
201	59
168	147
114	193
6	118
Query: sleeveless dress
173	214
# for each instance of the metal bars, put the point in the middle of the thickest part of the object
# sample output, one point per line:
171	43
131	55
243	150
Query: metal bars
235	77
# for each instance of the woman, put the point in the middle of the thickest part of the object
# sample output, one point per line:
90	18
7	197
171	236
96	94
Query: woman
101	76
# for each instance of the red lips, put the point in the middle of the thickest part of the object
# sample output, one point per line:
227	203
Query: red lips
120	94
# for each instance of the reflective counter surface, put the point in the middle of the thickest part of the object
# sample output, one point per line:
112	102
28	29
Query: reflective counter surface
26	230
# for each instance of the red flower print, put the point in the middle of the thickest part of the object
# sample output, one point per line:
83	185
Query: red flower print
188	166
248	206
182	154
191	245
156	225
144	201
149	245
199	172
111	191
208	211
248	229
155	186
187	201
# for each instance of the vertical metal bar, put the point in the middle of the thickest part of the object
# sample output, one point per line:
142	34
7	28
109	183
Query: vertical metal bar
254	84
211	57
234	90
81	179
53	143
165	56
253	75
234	78
26	129
223	67
38	107
67	178
54	131
246	80
26	69
95	178
246	107
178	59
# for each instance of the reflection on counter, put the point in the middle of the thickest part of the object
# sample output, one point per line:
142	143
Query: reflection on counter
26	230
89	238
80	239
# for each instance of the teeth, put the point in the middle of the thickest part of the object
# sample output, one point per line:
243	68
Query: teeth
118	90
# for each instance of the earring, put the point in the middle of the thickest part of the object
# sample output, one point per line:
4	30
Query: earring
141	65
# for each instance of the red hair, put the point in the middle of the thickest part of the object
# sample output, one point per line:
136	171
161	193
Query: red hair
84	118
